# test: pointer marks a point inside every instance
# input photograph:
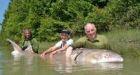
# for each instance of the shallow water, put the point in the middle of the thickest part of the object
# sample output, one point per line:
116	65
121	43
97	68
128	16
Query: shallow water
34	65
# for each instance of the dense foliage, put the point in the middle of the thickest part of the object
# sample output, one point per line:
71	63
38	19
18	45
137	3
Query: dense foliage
48	17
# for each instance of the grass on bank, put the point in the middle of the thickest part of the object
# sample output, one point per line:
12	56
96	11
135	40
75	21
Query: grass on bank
125	42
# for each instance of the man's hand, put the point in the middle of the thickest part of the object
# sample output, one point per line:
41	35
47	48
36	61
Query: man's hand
43	54
24	48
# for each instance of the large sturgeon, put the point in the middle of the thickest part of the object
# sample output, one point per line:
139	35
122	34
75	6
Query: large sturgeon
83	55
95	56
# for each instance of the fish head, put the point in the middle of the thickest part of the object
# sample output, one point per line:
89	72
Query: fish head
110	57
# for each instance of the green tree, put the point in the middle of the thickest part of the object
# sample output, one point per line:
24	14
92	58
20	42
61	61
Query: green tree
48	17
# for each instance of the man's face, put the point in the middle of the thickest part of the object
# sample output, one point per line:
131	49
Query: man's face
27	34
64	36
90	31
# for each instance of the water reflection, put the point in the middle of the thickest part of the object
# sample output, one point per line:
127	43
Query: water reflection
57	65
60	63
23	64
63	65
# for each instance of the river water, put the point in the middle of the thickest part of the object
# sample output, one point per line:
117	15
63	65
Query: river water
34	65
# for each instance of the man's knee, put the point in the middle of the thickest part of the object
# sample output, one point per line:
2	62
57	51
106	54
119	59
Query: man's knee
69	48
69	51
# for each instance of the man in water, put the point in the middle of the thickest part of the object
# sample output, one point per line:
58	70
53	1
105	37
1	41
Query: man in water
28	39
62	45
91	40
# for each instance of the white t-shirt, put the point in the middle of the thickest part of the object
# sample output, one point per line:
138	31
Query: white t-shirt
60	43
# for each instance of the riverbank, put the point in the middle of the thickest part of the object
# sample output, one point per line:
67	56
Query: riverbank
124	42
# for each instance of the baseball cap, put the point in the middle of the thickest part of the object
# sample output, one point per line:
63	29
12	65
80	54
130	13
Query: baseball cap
65	31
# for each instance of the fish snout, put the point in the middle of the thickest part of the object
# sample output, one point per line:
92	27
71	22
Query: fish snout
110	57
113	58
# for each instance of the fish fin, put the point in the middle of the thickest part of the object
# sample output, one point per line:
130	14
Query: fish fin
14	45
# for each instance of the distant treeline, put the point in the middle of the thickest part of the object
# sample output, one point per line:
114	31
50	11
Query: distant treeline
47	17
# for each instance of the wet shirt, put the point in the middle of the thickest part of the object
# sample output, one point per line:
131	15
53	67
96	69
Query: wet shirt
99	42
34	44
60	44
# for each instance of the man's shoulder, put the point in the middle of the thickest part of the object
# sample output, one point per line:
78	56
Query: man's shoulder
82	39
34	40
70	40
101	36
